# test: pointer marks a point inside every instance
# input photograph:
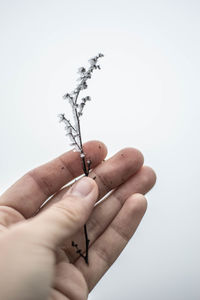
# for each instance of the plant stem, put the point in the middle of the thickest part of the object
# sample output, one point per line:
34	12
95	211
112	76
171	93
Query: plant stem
86	171
87	241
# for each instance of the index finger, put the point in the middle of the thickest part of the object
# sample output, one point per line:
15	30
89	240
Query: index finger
36	186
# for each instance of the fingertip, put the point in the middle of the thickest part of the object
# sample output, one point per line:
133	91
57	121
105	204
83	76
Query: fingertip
137	203
149	176
85	188
97	147
134	155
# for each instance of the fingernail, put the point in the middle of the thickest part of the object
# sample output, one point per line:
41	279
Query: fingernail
82	187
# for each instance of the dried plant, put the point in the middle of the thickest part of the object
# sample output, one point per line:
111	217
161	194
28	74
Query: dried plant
73	129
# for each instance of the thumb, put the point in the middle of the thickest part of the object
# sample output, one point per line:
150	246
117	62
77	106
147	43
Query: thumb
65	217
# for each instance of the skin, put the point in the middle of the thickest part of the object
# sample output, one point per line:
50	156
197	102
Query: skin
37	260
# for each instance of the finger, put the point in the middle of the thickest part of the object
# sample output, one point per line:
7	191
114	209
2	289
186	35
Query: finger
69	281
117	170
106	211
112	173
56	295
29	192
64	218
110	244
8	217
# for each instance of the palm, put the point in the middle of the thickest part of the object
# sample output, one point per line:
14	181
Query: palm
110	226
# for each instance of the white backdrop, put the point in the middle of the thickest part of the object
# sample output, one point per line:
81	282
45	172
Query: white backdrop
145	96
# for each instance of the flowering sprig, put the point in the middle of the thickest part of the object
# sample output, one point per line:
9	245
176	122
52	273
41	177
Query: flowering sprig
73	132
73	129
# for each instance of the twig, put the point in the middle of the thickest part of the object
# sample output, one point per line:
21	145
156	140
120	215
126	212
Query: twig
74	131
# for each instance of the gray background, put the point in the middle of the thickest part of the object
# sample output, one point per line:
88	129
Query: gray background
145	96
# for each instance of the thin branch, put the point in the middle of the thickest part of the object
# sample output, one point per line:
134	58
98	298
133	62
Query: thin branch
74	131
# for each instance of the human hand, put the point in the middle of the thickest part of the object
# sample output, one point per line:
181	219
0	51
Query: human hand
37	260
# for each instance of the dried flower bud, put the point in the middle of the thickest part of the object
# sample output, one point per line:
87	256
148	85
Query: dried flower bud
88	98
83	85
61	117
88	76
92	61
76	90
66	96
82	101
73	131
81	70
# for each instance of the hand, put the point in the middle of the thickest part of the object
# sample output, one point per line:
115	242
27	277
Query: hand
37	260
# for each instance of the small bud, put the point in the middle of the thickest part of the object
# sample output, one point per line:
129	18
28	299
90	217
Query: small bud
88	76
81	70
66	96
61	117
77	90
92	61
88	98
83	86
